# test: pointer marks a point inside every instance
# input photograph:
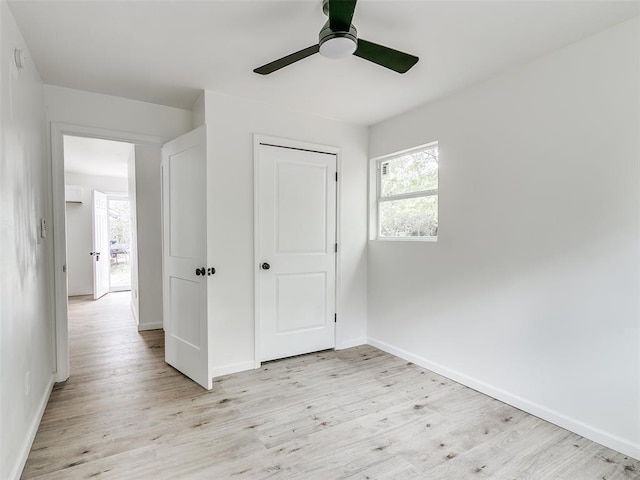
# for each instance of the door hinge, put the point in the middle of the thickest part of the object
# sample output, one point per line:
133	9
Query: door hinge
64	269
336	176
335	318
336	248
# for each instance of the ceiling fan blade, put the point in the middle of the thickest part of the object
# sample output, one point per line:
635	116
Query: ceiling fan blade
341	14
387	57
288	60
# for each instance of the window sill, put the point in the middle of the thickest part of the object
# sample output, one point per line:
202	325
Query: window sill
406	239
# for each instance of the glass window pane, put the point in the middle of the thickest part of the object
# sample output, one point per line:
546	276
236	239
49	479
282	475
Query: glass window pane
120	240
414	172
410	217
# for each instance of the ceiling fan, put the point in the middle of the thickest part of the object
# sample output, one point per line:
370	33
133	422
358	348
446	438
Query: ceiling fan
339	39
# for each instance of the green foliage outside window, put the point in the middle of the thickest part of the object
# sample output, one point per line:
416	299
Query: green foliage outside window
408	197
119	224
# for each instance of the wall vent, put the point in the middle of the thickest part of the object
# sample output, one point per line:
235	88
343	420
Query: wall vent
73	193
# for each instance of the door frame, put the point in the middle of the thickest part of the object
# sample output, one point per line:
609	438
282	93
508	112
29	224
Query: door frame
259	139
60	291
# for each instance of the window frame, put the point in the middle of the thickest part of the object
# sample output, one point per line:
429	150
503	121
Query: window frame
378	198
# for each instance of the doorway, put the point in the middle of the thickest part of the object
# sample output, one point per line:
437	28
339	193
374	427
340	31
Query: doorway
63	239
98	240
120	244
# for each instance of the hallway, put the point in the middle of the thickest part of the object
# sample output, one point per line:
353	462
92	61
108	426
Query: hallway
103	412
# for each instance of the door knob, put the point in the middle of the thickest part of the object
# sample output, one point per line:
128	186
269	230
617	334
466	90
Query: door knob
201	271
265	266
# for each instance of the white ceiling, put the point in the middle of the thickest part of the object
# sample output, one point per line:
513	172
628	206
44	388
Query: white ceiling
167	52
93	156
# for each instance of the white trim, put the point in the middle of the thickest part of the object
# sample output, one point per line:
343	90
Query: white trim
21	459
59	254
338	257
117	195
119	289
57	131
256	250
406	239
354	342
133	311
405	196
259	139
588	431
375	197
150	326
290	143
232	368
406	151
372	191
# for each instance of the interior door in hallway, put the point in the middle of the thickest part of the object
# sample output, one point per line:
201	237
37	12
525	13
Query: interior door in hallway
185	274
296	251
100	254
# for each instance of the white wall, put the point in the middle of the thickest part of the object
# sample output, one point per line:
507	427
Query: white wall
26	328
231	123
77	107
80	229
149	240
197	112
531	292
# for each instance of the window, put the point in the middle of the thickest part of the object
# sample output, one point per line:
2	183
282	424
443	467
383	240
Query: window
407	198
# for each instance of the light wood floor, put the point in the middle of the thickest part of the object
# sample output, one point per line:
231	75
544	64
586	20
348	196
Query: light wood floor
357	413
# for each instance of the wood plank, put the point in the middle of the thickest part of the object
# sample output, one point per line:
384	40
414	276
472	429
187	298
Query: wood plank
358	413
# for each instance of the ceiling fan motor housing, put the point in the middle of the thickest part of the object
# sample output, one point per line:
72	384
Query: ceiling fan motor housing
337	44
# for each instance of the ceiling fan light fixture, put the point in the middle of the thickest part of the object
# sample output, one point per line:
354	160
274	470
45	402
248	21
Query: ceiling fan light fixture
338	47
337	44
338	38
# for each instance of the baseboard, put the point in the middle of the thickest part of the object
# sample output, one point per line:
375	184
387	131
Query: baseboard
16	472
592	433
354	342
150	326
233	368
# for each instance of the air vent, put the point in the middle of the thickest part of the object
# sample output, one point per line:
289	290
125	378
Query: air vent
73	193
385	168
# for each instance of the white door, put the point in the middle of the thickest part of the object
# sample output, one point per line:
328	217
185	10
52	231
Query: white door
101	253
184	254
296	252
